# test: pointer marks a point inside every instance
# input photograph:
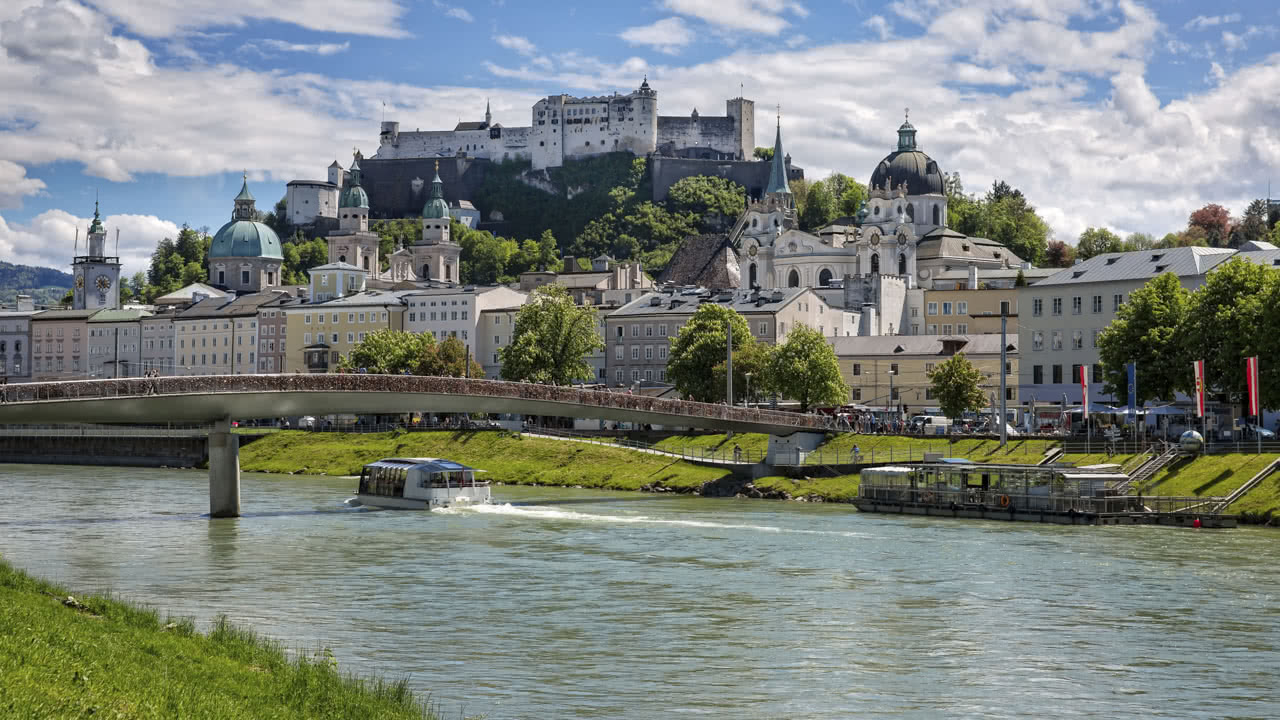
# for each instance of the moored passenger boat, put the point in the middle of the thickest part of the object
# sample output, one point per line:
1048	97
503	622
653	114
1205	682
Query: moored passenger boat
1054	494
420	484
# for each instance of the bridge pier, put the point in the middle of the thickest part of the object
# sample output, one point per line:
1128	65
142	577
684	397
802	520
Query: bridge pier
786	449
224	470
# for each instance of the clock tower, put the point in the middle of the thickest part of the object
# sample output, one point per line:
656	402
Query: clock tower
97	275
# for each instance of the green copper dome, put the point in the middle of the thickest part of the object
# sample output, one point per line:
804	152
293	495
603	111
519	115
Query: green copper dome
245	238
436	207
96	226
354	196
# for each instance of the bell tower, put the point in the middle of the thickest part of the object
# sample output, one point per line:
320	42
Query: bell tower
96	274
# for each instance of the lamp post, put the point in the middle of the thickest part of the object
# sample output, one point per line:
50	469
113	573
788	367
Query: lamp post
748	398
890	400
1004	359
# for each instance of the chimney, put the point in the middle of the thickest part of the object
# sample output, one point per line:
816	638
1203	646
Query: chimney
570	264
973	277
25	304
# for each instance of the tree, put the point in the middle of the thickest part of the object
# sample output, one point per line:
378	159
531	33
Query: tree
1003	215
1275	234
552	340
1253	227
389	352
450	358
1139	241
714	201
763	153
752	359
805	368
1215	221
1146	331
1226	321
700	347
1096	241
1059	254
955	386
1021	279
819	207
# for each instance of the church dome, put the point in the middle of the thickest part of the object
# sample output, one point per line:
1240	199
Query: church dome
908	165
436	206
353	196
245	238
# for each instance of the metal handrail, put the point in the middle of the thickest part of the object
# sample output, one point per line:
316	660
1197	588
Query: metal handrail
998	501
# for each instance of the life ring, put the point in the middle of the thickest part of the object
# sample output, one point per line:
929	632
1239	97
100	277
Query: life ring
1004	501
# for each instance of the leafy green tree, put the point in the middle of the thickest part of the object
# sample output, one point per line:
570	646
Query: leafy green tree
956	386
804	368
752	359
700	347
551	340
449	358
1226	322
1020	280
1146	330
851	199
1096	241
389	352
710	199
1253	227
819	207
194	272
1139	241
763	153
1003	215
1275	234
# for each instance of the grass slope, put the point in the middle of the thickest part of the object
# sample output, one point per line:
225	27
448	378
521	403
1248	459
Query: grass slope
1211	475
98	657
509	458
831	489
719	442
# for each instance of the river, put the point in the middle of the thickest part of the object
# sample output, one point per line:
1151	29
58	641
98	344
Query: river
564	603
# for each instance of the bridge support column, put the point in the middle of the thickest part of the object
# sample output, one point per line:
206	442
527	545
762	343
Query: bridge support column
224	471
786	449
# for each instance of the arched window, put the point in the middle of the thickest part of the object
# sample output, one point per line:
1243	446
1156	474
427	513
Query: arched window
824	278
911	212
902	264
937	215
751	276
755	222
875	263
793	280
426	272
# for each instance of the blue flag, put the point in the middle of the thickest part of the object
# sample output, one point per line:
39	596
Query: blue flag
1132	369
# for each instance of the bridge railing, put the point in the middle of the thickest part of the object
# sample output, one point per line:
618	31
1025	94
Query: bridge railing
207	384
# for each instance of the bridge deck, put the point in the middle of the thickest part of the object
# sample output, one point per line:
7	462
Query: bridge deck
215	397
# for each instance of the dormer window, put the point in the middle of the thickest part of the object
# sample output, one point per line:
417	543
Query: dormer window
1112	260
1077	274
1161	268
1156	257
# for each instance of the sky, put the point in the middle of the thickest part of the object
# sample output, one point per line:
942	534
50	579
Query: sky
1125	114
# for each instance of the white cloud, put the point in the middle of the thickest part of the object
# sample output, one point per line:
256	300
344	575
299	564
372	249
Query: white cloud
314	49
1216	73
49	239
516	43
453	11
15	185
1233	42
668	35
761	16
798	40
164	18
879	25
1200	22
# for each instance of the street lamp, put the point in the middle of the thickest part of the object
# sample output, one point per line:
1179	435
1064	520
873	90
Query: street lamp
748	398
1004	359
890	400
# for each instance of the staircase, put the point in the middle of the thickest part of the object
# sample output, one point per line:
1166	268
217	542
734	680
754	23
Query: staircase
1051	456
1253	482
1148	469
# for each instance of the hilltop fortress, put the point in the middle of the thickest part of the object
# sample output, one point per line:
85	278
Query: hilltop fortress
565	127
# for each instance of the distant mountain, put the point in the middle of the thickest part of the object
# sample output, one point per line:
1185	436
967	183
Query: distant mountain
45	285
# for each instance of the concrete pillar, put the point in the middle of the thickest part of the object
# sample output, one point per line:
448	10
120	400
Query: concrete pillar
224	471
786	449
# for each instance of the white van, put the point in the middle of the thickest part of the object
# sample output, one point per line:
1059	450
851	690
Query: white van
930	424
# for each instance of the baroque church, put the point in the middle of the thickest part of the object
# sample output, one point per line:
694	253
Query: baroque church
900	231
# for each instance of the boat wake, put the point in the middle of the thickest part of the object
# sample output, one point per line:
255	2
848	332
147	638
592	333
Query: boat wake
554	514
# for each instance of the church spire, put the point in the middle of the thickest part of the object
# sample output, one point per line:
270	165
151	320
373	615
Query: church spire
488	117
244	209
778	167
906	133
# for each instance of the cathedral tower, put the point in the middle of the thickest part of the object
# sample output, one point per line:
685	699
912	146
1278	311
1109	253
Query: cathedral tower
97	275
436	256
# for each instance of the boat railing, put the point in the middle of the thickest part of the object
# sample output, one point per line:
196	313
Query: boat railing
996	500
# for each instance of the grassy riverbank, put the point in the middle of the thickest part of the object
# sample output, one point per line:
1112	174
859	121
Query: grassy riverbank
92	656
508	458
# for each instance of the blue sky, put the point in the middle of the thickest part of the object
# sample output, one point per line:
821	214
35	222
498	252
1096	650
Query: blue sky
1120	113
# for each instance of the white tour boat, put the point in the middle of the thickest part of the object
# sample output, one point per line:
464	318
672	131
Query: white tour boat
419	484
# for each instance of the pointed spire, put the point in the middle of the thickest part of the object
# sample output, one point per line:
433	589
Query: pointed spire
436	206
778	167
244	189
488	116
95	227
906	132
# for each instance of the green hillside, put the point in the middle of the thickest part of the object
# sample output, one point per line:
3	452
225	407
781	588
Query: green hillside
45	285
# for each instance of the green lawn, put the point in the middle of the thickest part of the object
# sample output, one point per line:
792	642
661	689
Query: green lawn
1211	475
831	489
90	656
509	458
893	447
717	442
1263	500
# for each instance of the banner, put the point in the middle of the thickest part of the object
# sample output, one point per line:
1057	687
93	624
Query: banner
1132	369
1251	378
1198	368
1084	388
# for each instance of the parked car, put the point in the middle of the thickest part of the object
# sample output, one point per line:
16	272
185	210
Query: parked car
1265	433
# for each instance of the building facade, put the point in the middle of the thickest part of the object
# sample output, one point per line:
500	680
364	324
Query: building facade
888	372
245	255
15	341
456	312
58	344
319	334
158	345
115	343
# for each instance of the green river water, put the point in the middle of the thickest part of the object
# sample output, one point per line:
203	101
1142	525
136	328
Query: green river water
561	603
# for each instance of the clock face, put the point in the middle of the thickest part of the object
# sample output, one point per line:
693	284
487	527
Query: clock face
752	251
104	283
79	282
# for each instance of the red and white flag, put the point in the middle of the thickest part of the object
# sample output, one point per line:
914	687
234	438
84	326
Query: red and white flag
1251	378
1198	367
1084	388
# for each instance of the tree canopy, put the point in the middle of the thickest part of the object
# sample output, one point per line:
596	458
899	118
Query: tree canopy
1145	330
1096	241
701	346
552	340
394	352
956	386
1003	215
804	368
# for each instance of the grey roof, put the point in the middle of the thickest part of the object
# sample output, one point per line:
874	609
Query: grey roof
380	298
64	315
707	260
997	273
323	183
945	243
109	316
1140	265
687	301
891	345
1257	245
457	290
336	266
1270	258
219	307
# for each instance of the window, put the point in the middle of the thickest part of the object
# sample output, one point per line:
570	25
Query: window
932	329
928	367
635	352
946	308
306	319
962	328
1009	393
857	394
648	352
932	309
1097	303
662	352
453	315
361	317
351	317
764	328
620	331
635	375
351	337
1077	339
1077	305
946	329
618	375
244	277
857	368
1075	372
1116	301
1096	373
1057	306
662	330
915	328
648	374
335	337
648	331
464	314
1096	332
962	308
413	317
1057	340
1037	340
893	368
1057	374
635	331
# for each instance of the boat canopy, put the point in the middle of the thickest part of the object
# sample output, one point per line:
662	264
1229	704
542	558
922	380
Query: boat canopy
425	464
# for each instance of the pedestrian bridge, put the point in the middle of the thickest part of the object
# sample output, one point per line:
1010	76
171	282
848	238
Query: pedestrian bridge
218	399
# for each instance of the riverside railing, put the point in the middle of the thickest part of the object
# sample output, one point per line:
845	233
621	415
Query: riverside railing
213	384
996	500
104	430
